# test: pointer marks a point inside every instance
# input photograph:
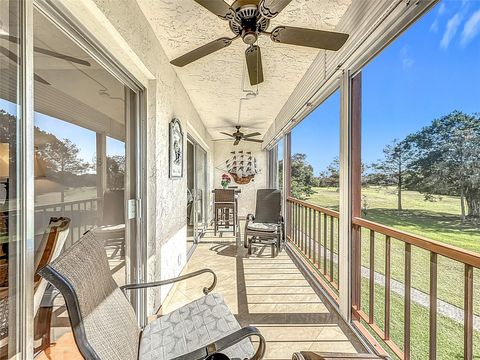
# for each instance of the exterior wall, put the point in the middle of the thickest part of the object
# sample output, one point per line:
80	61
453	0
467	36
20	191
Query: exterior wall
246	200
124	31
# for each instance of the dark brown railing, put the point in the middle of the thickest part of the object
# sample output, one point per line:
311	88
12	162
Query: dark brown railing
313	230
365	230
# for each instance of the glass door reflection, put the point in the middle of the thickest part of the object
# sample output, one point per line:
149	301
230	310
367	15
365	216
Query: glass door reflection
197	195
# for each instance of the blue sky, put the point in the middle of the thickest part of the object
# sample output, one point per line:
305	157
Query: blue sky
429	71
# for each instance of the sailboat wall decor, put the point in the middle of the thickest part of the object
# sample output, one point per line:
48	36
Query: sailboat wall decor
242	166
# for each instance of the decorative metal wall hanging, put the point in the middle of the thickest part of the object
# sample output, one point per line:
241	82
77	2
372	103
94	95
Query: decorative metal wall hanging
176	149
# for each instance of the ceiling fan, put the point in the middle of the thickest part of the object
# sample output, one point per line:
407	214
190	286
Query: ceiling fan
238	135
250	18
13	57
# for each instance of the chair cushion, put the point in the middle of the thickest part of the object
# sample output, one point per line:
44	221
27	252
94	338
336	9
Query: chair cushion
191	327
258	226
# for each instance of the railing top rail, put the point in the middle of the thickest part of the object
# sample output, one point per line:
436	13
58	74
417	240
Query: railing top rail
330	212
72	202
452	252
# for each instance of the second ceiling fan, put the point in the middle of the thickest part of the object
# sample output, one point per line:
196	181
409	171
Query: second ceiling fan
238	136
250	18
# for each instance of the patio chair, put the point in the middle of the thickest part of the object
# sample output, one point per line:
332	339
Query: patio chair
105	326
48	249
267	225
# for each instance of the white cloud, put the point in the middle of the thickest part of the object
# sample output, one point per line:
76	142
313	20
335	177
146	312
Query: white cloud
441	9
471	28
406	58
434	26
452	27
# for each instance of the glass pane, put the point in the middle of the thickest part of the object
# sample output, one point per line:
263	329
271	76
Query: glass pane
80	127
9	72
201	188
191	224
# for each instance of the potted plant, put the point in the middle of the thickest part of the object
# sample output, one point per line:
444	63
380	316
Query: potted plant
225	181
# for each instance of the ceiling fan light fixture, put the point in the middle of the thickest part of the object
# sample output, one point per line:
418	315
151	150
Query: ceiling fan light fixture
249	37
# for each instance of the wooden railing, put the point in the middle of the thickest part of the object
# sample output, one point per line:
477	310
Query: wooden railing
375	235
313	230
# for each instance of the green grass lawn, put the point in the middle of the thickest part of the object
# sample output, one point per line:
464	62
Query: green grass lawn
437	220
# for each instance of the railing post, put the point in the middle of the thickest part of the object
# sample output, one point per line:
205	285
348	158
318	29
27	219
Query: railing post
468	313
387	286
433	306
408	302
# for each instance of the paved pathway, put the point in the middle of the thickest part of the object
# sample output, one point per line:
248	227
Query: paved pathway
444	308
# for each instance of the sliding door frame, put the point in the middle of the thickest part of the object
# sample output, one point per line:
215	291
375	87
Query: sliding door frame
135	231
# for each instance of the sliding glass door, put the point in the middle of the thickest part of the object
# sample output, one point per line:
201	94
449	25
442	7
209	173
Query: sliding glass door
197	195
11	242
70	149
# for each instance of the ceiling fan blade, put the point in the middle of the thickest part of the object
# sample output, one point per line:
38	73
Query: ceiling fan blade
252	134
254	64
40	79
13	57
271	8
218	7
236	142
253	140
61	56
328	40
224	133
202	51
48	52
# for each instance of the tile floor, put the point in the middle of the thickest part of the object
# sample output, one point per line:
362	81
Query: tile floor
269	293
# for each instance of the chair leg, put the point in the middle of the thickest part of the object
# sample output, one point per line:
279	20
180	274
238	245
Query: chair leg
43	320
249	247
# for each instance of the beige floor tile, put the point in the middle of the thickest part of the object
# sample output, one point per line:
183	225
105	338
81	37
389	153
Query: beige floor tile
270	293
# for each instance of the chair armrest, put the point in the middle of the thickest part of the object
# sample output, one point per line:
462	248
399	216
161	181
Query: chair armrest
250	217
312	355
228	341
174	280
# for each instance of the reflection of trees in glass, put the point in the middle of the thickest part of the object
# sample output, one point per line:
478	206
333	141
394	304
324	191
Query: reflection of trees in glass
61	156
116	172
7	127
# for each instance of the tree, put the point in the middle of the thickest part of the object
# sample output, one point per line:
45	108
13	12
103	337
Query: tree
331	176
116	172
61	157
392	169
301	176
446	159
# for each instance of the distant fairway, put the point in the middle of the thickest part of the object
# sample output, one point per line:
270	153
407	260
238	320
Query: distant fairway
438	220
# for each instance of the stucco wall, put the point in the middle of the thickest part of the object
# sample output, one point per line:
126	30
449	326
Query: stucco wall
222	151
122	28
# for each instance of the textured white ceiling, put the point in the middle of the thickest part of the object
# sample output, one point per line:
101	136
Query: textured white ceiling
214	83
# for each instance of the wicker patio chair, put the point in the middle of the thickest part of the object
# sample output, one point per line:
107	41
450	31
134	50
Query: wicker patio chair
105	326
267	225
